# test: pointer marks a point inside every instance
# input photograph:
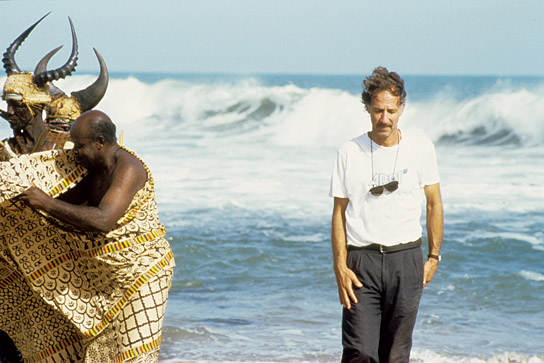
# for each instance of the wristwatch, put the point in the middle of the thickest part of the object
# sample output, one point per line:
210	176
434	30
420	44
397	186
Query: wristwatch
436	257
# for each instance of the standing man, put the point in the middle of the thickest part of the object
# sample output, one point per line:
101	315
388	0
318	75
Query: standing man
83	249
378	184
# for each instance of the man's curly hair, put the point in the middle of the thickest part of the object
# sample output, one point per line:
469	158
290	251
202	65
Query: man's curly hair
382	80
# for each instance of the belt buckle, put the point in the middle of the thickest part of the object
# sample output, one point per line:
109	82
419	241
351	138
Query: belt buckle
381	249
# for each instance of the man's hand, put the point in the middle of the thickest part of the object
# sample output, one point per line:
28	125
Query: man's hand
35	197
428	270
346	279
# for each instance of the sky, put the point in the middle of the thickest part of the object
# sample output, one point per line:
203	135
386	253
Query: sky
435	37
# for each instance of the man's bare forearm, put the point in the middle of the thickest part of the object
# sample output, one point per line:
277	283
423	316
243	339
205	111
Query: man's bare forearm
435	230
345	278
435	221
338	234
82	217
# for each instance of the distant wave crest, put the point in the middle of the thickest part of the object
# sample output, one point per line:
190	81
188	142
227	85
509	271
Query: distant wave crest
501	117
532	276
293	115
430	356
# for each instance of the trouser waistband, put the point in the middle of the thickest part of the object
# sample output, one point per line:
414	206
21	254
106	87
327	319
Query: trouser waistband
387	249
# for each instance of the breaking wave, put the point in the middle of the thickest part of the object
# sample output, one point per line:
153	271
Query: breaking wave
293	115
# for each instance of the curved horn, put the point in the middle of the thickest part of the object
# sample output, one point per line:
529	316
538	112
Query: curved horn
9	56
66	70
42	67
90	96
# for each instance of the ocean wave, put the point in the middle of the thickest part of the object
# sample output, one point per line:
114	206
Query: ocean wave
532	276
504	357
416	357
500	117
316	237
292	115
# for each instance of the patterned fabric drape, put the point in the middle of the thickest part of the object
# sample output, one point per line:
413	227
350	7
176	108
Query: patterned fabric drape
67	295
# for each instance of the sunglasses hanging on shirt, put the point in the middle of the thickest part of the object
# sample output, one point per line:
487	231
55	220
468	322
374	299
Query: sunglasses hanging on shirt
392	185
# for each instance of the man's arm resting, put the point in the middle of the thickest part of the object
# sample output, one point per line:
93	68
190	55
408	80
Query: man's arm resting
83	217
435	229
102	218
345	278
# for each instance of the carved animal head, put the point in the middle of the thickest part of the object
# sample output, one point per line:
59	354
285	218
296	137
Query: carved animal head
36	92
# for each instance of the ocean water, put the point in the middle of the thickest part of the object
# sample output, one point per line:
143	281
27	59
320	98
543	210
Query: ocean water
242	167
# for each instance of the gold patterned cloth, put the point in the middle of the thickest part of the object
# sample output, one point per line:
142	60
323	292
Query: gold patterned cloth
72	296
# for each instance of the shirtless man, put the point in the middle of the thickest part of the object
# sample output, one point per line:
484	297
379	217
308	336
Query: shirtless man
114	177
120	260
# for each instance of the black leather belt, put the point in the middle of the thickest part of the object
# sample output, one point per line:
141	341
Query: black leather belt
387	249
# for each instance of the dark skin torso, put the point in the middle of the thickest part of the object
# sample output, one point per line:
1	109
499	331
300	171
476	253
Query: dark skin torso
100	199
91	190
99	183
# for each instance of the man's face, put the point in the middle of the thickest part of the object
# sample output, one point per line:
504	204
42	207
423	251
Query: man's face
19	114
84	149
385	111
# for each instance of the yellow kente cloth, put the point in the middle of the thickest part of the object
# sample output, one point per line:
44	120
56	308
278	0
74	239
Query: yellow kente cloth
72	296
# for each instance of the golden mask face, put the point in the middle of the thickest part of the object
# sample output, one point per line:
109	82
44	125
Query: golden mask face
20	88
63	108
21	84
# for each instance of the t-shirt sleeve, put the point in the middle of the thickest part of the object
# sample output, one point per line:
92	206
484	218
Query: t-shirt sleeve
338	186
430	165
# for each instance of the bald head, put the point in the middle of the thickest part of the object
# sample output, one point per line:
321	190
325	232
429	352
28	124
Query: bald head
95	124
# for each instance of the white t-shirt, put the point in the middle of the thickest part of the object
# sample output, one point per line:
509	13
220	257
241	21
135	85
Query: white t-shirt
393	217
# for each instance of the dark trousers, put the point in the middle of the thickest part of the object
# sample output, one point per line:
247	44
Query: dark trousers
379	327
